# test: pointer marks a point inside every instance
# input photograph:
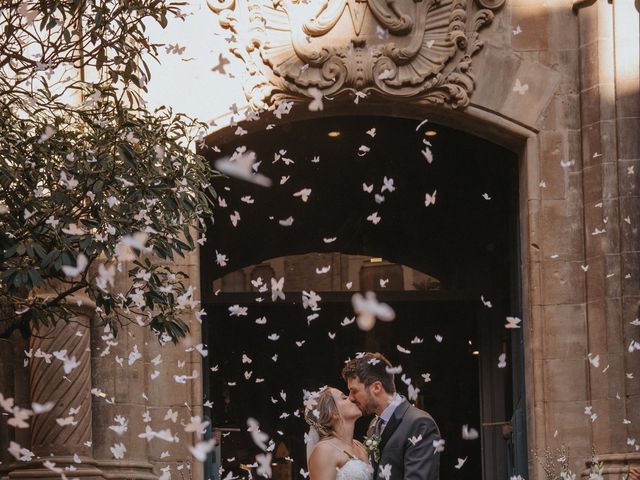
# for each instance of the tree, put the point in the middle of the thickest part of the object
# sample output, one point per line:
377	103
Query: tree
90	178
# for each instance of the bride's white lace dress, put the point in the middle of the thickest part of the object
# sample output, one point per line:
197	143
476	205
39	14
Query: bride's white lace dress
355	469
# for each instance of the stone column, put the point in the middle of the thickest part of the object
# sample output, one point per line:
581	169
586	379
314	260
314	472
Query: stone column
609	94
627	83
68	390
14	383
121	387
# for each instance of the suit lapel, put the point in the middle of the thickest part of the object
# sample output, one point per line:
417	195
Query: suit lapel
393	423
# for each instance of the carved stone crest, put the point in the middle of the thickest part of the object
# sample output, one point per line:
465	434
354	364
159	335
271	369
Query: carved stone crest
414	49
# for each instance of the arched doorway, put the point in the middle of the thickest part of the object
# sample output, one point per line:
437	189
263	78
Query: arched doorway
422	197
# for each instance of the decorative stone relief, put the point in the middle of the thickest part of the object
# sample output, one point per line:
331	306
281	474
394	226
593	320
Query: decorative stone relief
408	49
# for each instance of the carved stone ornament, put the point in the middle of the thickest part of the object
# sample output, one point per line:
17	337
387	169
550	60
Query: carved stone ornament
413	49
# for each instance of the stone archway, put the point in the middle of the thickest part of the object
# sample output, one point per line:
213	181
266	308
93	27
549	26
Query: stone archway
272	239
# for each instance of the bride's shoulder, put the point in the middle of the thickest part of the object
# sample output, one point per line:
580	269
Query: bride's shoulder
323	450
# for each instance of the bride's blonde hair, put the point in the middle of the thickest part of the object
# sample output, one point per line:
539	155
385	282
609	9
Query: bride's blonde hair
320	411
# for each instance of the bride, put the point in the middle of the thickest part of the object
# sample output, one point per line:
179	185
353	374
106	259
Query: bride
332	452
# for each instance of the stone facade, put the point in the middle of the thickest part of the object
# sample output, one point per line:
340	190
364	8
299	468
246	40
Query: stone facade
104	385
556	82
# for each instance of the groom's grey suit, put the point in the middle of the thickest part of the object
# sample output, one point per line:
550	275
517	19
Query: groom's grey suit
408	461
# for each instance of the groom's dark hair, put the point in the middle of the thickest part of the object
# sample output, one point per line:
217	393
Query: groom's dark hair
368	368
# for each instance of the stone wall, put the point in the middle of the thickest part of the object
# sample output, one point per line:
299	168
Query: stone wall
560	86
558	83
131	375
581	245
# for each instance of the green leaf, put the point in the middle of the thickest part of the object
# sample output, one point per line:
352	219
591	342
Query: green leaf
8	274
39	249
100	59
49	258
11	251
127	154
36	279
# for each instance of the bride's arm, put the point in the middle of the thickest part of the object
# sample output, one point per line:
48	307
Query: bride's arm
323	463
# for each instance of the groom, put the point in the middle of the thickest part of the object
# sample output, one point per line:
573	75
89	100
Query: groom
406	434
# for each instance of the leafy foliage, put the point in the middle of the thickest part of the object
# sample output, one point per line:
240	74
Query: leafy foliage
93	185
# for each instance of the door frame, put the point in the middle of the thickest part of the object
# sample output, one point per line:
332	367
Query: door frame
522	140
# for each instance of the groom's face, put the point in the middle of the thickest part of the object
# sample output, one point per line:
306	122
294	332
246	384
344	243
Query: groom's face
361	396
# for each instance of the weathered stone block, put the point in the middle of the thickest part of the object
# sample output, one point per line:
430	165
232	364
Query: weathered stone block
520	89
562	282
595	277
563	29
589	65
628	138
612	275
597	104
572	425
592	178
595	234
630	271
565	379
629	177
597	326
601	427
561	223
534	23
598	143
552	151
564	331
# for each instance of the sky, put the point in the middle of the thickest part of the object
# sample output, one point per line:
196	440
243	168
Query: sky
183	79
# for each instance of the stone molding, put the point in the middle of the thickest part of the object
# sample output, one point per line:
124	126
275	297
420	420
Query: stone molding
129	469
410	50
616	465
35	470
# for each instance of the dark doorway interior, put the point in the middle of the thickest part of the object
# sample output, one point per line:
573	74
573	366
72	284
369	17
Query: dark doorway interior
452	396
467	240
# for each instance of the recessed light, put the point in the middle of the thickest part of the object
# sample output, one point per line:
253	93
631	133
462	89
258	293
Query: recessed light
375	260
334	133
476	352
430	133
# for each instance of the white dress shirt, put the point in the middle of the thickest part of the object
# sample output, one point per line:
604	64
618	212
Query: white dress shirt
386	414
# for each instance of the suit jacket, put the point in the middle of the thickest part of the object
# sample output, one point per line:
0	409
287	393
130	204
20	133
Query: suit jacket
409	461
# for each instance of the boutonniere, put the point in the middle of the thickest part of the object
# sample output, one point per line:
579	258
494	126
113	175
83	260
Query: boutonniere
373	446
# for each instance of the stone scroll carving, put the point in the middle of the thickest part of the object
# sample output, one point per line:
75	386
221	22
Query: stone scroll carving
413	49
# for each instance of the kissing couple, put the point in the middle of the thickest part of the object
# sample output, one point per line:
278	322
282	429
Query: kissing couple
401	443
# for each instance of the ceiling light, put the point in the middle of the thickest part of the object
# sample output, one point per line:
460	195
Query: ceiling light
375	260
430	133
476	352
334	133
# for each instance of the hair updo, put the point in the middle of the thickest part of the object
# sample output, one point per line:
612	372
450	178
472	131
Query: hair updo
320	410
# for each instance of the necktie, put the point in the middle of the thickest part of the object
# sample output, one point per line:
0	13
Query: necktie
379	426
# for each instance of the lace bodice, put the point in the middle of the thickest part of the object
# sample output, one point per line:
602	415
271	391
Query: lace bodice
355	469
